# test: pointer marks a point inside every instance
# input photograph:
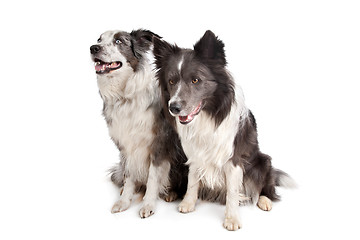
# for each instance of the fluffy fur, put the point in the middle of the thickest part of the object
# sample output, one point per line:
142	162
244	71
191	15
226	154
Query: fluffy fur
136	122
216	129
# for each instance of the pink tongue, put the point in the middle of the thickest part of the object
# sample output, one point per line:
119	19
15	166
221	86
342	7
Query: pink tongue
99	67
183	118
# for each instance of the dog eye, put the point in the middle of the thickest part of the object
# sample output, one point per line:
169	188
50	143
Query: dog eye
99	40
171	82
118	42
195	80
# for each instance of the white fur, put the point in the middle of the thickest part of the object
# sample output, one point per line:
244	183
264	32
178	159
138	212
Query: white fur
128	96
180	63
157	180
126	197
128	100
209	149
287	182
264	203
189	201
234	179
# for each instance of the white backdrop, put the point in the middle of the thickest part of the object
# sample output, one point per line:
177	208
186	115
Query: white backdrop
297	62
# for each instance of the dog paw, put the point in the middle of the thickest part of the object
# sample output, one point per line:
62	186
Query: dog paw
170	197
232	224
264	203
186	207
120	206
146	211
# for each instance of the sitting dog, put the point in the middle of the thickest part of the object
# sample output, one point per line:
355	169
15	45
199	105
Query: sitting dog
217	131
150	151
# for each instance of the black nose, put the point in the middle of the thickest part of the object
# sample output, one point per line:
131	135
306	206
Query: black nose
95	49
175	107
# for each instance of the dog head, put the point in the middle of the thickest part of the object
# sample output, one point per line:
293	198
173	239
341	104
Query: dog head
118	55
194	80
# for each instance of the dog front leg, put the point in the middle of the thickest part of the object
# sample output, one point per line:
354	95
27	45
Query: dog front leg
234	181
189	201
126	196
158	181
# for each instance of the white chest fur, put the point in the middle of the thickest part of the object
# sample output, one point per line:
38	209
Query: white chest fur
207	147
132	131
131	120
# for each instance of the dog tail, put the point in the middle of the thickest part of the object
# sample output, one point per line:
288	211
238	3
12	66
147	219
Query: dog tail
117	175
282	179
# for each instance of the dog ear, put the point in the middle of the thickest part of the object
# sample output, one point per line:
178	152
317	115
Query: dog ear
211	48
141	40
162	50
143	36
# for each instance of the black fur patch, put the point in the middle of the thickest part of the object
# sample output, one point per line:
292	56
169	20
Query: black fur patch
210	51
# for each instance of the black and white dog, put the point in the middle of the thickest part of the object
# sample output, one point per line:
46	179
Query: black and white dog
150	151
216	129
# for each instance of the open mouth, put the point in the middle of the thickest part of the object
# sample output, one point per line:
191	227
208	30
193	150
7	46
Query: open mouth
188	118
106	67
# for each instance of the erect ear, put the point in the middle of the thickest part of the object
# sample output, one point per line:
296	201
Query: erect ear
210	47
141	41
162	50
